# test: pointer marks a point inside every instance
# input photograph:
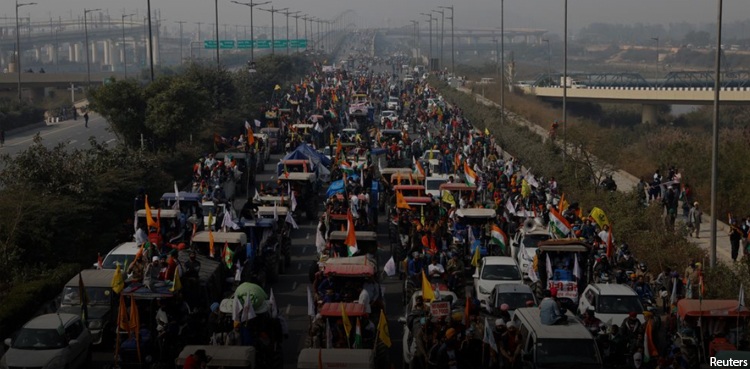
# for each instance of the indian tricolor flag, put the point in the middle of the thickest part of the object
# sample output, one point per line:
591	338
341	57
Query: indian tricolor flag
499	237
418	167
558	226
471	176
346	168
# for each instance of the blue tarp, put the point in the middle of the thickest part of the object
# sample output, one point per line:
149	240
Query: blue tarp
335	187
304	152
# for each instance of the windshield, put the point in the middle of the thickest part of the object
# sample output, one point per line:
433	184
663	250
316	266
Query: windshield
111	261
38	339
434	184
388	114
532	240
500	273
208	209
96	295
619	305
514	300
566	351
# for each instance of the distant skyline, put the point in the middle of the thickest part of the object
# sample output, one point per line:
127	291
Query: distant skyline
545	14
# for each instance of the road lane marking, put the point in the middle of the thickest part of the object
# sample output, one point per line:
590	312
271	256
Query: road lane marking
288	307
304	249
294	286
299	266
72	142
307	236
43	134
110	140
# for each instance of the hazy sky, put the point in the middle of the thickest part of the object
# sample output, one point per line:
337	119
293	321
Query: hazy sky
547	14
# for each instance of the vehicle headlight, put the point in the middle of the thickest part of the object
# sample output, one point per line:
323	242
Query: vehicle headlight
482	290
58	362
96	324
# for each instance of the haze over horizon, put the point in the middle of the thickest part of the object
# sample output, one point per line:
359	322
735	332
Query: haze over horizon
543	14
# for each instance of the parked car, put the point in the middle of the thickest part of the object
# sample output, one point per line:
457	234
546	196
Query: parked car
50	341
494	270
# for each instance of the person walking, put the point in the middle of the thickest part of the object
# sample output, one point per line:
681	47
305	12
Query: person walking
735	235
86	119
2	137
695	216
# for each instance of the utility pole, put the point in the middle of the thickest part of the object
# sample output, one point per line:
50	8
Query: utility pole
565	86
216	34
296	27
288	13
251	5
453	53
656	76
502	64
182	57
273	26
124	46
200	39
429	56
715	136
18	46
442	33
150	41
88	53
416	36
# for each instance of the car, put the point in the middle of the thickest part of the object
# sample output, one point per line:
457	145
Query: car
50	341
118	255
394	103
524	244
494	270
432	184
351	133
101	301
515	295
388	114
611	302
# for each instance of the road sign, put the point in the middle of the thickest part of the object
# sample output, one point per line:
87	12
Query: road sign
244	44
209	44
299	44
280	43
227	44
262	44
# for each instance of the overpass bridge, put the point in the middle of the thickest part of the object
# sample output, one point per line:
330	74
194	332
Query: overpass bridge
677	88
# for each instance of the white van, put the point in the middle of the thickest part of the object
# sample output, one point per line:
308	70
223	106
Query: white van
568	345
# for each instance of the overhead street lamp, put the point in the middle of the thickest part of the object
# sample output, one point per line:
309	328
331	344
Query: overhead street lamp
502	63
715	135
273	30
251	5
657	57
288	13
565	85
442	33
497	59
429	61
18	47
416	36
296	26
216	34
150	41
124	48
88	53
549	59
453	53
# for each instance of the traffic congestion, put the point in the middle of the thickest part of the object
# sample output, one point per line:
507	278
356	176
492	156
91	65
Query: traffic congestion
486	263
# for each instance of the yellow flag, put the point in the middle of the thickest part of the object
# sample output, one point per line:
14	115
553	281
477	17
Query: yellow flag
599	217
525	189
401	202
277	87
427	293
210	243
118	284
475	258
150	222
486	132
563	204
176	284
448	198
345	318
383	332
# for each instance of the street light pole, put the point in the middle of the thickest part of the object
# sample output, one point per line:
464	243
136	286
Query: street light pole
565	85
88	53
216	34
251	5
416	35
200	39
124	47
18	47
273	27
497	59
296	28
549	59
715	135
429	61
150	41
657	57
182	57
502	64
453	53
442	33
288	13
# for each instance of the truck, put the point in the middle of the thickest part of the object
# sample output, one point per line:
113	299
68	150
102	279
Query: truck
571	83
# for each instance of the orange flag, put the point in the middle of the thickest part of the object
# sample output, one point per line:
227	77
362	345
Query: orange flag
150	222
122	315
250	136
401	202
351	235
210	243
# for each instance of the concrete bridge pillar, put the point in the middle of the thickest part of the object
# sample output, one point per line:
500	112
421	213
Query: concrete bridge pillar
37	54
649	114
71	52
77	47
107	52
52	53
92	50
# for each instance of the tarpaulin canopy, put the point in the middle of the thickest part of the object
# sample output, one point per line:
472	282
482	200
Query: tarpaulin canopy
335	187
710	308
305	151
257	294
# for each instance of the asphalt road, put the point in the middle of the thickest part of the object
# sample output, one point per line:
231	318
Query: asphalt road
70	132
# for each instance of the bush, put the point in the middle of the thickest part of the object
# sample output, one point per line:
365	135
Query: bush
15	115
24	299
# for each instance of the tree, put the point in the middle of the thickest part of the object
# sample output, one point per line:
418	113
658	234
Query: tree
176	107
123	104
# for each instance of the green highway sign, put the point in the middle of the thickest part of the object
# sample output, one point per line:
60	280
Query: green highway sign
227	44
258	44
300	44
280	43
244	44
262	44
209	44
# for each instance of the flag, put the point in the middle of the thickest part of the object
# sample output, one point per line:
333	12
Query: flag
510	207
346	168
211	252
701	287
345	319
401	202
576	268
649	349
383	332
357	336
210	220
339	147
448	198
427	293
475	258
563	204
135	325
471	176
610	245
486	132
176	204
250	135
549	268
390	267
418	166
499	237
273	307
351	234
248	311
599	217
740	299
293	201
286	171
290	219
525	188
558	225
673	297
275	212
150	222
329	336
176	283
227	222
487	337
227	255
122	315
310	304
99	261
118	283
84	299
467	312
